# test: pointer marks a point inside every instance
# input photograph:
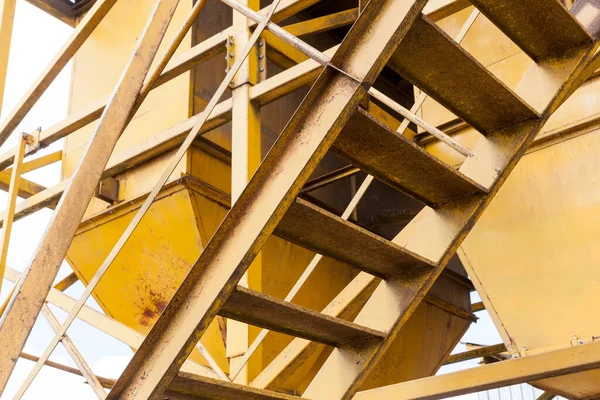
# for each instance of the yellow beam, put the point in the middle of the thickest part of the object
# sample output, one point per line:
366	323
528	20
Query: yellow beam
76	356
27	188
41	162
476	353
504	373
11	203
7	16
322	24
245	158
83	31
46	198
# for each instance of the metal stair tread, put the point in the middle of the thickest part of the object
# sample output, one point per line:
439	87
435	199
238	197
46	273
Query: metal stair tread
269	312
400	163
539	27
436	64
323	232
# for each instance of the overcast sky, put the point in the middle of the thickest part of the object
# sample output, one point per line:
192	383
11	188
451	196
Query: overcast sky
36	39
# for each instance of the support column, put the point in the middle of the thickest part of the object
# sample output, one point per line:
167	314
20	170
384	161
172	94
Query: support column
246	157
7	16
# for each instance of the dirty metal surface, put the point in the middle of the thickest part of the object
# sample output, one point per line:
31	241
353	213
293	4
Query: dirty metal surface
398	162
539	27
316	229
269	312
434	62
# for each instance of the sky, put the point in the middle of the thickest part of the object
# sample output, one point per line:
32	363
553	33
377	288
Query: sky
30	53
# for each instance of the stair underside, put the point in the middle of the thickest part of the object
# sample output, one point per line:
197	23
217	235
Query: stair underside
325	233
539	27
259	309
189	386
436	64
400	163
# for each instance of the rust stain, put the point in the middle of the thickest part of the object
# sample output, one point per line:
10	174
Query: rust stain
152	311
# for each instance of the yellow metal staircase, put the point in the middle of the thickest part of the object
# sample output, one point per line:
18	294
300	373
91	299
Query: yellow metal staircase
329	118
396	274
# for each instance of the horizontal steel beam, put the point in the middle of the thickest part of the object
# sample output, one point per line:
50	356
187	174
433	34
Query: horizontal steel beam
476	353
511	372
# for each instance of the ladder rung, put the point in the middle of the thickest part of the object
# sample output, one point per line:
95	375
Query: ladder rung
435	63
268	312
400	163
323	232
539	27
191	386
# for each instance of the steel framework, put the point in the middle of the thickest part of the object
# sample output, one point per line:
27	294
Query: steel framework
395	276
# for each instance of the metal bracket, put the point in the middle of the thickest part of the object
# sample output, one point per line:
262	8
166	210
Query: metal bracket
230	54
108	190
33	141
261	49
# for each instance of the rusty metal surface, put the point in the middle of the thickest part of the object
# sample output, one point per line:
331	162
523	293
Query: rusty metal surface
272	189
433	61
539	27
321	231
397	161
193	387
255	308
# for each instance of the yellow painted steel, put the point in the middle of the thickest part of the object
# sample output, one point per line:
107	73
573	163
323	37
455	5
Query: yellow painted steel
7	15
158	256
138	286
533	254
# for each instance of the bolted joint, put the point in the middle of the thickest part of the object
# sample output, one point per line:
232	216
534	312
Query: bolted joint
261	65
229	52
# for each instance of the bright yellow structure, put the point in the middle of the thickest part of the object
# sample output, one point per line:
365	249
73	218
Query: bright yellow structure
271	202
185	215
